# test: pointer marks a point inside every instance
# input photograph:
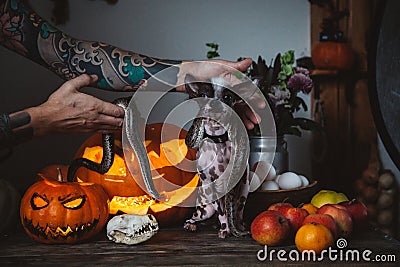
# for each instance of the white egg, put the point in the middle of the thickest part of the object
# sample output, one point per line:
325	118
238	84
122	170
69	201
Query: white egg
304	180
255	181
271	174
277	179
289	180
264	170
269	185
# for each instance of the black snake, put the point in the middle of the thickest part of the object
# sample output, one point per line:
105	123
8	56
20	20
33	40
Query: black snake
133	137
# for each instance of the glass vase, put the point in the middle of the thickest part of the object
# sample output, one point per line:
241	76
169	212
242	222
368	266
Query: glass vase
269	149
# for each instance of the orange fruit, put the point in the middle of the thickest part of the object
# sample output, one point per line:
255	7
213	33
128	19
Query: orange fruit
310	208
313	236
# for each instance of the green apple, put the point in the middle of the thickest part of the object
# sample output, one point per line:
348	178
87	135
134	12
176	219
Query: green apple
328	197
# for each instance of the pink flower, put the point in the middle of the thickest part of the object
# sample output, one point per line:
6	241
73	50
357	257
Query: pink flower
10	33
300	82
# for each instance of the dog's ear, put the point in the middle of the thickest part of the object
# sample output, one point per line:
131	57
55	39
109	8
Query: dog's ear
192	87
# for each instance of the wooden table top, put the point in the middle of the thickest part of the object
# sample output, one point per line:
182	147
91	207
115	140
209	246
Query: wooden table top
175	247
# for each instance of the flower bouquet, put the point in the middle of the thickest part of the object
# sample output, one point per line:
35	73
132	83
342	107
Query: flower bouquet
280	83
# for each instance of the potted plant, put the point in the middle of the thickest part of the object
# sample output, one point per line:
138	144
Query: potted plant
281	83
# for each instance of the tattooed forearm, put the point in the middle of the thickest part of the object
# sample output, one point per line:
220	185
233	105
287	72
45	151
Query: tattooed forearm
15	129
26	33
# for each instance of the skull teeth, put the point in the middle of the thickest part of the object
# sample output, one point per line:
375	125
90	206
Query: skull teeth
131	229
145	229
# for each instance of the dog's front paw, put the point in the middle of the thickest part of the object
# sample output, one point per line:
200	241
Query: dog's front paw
224	233
191	227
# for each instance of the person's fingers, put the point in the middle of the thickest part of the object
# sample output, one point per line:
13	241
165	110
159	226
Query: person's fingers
252	116
108	122
248	116
110	109
79	82
242	65
247	123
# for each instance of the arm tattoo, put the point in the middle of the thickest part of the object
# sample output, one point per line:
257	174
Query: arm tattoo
24	32
14	130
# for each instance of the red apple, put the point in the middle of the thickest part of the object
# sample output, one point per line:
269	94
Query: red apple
342	217
295	216
281	207
324	219
357	210
270	228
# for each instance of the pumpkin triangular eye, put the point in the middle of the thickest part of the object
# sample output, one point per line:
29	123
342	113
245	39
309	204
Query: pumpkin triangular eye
39	202
74	203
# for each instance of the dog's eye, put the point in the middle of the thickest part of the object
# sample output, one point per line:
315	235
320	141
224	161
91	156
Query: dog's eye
202	94
227	99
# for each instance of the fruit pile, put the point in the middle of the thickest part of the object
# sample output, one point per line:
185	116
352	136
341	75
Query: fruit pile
313	226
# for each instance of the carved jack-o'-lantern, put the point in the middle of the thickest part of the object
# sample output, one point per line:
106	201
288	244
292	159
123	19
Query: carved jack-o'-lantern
63	212
167	160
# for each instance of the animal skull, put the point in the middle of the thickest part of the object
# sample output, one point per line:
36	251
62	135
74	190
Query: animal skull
132	229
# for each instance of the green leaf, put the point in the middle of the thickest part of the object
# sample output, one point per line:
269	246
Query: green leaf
212	54
293	131
288	58
287	69
307	124
296	102
282	76
212	45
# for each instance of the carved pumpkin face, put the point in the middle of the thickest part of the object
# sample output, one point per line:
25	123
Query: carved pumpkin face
63	212
167	159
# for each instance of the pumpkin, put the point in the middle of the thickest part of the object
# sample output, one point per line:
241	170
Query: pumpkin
53	211
170	159
9	203
333	55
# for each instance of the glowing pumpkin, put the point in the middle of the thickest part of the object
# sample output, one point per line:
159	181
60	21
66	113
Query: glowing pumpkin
53	211
333	55
167	159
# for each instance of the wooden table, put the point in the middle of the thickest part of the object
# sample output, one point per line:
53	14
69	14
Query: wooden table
175	247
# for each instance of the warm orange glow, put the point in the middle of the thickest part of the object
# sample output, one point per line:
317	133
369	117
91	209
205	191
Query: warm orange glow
167	153
140	205
96	154
172	153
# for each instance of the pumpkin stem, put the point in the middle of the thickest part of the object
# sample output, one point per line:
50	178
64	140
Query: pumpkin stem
59	178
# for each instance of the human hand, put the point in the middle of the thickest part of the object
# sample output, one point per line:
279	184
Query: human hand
204	70
69	111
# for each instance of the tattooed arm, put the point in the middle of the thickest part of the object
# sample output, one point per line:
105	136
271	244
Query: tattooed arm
26	33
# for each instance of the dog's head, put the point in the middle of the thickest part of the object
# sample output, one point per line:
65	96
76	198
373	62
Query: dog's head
217	100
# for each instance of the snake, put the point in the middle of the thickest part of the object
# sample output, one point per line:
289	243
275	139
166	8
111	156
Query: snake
133	137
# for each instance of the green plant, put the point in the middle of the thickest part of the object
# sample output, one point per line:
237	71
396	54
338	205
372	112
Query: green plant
213	52
280	83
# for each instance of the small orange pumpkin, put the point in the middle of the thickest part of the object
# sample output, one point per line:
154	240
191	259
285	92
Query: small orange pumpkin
333	55
169	159
54	211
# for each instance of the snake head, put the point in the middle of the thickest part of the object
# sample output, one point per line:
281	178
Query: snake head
195	134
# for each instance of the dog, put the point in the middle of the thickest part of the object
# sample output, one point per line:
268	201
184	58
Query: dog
212	134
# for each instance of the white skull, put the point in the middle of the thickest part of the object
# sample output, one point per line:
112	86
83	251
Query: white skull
131	229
